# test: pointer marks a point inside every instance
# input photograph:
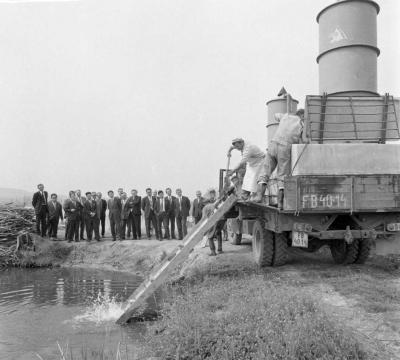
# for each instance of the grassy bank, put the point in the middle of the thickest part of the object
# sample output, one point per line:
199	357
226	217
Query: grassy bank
251	317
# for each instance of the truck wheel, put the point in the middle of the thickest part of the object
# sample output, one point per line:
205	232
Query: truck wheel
280	249
235	238
344	253
364	249
263	244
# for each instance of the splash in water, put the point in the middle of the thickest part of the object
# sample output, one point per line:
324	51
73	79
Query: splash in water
102	309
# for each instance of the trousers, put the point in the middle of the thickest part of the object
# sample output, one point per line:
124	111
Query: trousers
278	157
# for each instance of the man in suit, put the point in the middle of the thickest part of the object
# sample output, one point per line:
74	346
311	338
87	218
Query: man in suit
161	211
39	202
102	210
125	210
98	214
55	214
171	212
135	214
72	209
81	200
114	213
148	205
182	207
197	207
89	210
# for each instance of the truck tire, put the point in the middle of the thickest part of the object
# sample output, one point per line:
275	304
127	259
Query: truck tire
280	249
343	253
364	249
263	244
235	238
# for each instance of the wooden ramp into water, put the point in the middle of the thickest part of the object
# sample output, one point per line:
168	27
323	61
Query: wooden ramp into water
178	256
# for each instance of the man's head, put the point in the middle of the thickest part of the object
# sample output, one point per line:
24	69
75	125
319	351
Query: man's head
198	194
88	195
213	194
123	196
160	194
99	194
155	193
168	191
78	193
94	195
238	143
134	192
72	195
148	191
54	197
120	191
300	114
40	187
179	192
110	194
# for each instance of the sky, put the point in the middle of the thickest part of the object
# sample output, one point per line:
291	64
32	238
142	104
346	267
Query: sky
98	94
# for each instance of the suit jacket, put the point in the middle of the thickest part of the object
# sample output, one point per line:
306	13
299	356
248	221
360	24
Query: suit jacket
197	207
135	204
147	207
172	204
89	207
39	201
125	209
69	205
183	208
114	209
99	207
81	201
55	211
158	209
103	208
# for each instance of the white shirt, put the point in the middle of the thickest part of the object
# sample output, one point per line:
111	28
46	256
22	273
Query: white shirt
289	129
252	154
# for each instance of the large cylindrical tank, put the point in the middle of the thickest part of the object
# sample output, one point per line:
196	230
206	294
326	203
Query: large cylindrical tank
348	48
278	105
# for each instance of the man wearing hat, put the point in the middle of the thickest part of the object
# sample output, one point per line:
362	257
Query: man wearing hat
253	159
279	151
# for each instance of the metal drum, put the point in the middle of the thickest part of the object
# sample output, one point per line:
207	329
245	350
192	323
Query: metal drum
348	48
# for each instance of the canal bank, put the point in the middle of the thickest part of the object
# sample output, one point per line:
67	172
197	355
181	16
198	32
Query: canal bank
226	307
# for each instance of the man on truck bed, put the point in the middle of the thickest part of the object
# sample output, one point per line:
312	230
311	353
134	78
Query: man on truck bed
252	158
279	151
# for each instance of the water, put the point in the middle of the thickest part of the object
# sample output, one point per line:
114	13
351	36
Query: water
43	309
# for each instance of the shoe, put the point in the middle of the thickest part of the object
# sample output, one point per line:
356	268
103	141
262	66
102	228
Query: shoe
82	238
114	239
220	252
212	253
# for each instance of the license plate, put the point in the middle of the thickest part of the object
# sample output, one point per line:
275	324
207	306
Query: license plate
300	239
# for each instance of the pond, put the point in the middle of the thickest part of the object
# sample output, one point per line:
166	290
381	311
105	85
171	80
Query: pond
46	311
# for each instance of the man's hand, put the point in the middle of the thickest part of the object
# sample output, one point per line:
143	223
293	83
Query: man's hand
230	172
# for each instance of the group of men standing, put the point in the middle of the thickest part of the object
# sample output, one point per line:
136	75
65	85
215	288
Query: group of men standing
160	212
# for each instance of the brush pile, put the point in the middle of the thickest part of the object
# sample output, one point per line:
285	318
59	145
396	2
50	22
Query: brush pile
14	221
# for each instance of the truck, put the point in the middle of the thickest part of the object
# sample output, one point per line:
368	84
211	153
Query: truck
344	187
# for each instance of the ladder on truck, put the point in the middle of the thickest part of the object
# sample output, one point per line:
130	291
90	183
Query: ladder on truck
158	276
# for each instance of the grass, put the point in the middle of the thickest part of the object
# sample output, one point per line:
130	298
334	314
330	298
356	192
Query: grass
247	317
46	254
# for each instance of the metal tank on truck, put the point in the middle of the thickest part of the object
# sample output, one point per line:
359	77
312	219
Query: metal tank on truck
344	187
